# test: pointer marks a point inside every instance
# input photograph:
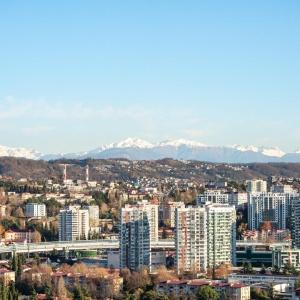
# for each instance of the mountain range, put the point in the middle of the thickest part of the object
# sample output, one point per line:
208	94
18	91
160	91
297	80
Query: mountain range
181	149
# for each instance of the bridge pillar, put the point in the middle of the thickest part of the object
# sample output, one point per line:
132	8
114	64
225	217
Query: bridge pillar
67	252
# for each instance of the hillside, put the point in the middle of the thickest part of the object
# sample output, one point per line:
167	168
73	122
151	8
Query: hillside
122	169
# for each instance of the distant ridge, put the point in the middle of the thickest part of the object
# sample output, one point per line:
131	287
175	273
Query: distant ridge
182	149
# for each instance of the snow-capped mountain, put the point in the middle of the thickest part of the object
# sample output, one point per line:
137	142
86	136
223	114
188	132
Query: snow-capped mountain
181	142
275	152
19	152
138	149
128	143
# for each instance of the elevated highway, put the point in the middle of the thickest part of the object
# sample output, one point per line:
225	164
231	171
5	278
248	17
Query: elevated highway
75	245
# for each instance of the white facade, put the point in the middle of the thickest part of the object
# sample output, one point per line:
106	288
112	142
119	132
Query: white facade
256	186
139	228
283	189
273	207
221	234
213	196
205	237
73	224
2	210
35	210
93	212
191	239
238	199
282	257
169	210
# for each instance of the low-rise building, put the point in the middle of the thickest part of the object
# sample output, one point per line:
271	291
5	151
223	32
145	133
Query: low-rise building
213	196
17	236
282	257
283	286
234	291
35	210
2	210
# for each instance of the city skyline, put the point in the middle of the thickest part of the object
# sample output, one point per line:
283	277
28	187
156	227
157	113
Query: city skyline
76	76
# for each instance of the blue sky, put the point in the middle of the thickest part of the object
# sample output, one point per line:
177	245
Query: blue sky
78	74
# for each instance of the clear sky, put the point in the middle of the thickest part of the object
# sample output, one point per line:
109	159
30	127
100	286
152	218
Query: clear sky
78	74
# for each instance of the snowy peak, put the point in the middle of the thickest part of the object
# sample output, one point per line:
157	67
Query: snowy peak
19	152
138	149
274	152
142	144
244	148
181	142
129	143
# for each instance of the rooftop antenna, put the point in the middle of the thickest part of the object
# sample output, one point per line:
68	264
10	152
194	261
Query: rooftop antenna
87	173
64	172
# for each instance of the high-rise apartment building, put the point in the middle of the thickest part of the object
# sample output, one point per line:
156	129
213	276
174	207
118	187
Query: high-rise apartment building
73	224
221	234
271	207
205	237
295	222
239	200
93	212
256	186
191	239
138	230
35	210
168	212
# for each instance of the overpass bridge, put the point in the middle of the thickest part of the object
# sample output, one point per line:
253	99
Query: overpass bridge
76	245
163	244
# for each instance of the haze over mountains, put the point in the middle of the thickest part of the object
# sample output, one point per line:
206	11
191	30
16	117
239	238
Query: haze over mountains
137	149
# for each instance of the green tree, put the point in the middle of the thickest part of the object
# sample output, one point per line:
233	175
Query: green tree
260	294
129	296
207	293
263	269
79	294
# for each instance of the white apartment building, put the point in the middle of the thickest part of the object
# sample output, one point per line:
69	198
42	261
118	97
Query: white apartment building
139	228
221	234
191	239
213	196
295	222
256	186
93	212
205	237
283	189
169	210
35	210
73	224
238	200
273	207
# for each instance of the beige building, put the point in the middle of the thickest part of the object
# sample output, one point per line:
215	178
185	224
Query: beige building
168	212
2	210
234	291
7	276
17	236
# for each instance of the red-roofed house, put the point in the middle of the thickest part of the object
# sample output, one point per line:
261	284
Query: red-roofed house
235	291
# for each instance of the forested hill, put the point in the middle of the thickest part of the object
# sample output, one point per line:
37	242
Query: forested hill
122	169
